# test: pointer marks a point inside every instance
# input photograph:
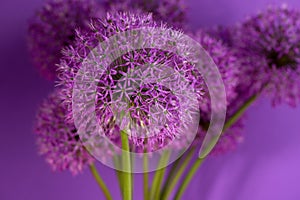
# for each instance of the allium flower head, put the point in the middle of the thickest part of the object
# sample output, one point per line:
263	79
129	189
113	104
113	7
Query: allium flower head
141	92
268	44
57	140
53	28
172	12
229	67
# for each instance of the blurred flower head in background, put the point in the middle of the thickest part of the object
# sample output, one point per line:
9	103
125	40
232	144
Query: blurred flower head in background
268	46
228	65
57	140
53	28
226	61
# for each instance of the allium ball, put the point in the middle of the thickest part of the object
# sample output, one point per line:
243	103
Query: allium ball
57	140
228	66
53	28
269	45
131	94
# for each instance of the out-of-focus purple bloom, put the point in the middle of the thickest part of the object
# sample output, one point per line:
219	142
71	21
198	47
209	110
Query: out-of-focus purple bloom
172	12
130	94
268	45
229	67
57	139
53	28
225	59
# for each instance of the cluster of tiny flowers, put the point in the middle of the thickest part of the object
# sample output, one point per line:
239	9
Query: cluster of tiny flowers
228	66
172	12
151	103
268	46
122	95
53	28
225	59
268	61
57	140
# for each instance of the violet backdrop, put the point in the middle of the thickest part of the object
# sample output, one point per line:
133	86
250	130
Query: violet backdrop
265	167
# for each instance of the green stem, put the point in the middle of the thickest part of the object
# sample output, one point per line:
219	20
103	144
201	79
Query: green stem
171	173
126	166
188	178
239	113
118	173
100	182
146	177
158	177
173	180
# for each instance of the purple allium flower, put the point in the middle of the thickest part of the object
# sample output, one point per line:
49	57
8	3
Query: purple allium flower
227	64
57	140
229	67
172	12
53	28
269	45
123	100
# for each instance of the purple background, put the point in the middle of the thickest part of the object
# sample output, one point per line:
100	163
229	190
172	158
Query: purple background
266	166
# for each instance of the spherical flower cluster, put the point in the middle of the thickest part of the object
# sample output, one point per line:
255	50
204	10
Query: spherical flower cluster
229	67
57	140
268	44
140	92
172	12
53	28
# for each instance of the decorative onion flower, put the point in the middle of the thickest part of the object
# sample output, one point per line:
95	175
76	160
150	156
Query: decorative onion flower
53	28
225	60
57	140
269	45
229	67
172	12
227	64
141	92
